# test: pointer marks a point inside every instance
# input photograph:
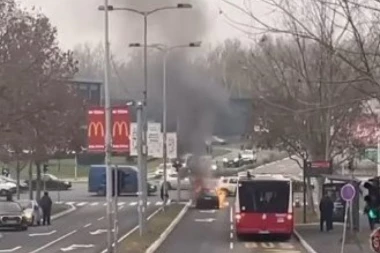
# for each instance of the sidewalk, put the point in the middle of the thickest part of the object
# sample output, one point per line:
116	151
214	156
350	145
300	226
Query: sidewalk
330	242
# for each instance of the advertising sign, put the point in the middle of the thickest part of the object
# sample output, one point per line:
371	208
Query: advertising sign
133	140
171	144
120	129
316	168
96	130
154	140
334	190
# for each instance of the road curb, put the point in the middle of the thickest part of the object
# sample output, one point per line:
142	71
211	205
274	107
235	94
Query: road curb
152	248
63	213
304	244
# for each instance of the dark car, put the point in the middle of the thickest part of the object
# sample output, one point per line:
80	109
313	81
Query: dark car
207	199
51	182
12	216
233	162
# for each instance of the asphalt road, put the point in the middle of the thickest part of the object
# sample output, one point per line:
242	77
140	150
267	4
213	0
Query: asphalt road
208	231
84	229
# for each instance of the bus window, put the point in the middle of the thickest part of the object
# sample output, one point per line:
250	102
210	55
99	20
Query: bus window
264	197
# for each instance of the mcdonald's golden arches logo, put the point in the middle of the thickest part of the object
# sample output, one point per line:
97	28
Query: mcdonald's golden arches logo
94	129
118	128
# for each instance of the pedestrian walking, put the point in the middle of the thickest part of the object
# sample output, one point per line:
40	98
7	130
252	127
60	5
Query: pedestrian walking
46	205
326	208
164	192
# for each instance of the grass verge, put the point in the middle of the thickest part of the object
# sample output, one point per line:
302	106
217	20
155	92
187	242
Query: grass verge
58	208
155	227
311	217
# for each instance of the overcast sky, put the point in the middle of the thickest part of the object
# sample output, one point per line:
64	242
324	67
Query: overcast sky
79	21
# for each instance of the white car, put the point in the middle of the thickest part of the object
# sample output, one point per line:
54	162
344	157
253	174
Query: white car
23	185
32	211
172	182
248	156
160	169
228	184
6	187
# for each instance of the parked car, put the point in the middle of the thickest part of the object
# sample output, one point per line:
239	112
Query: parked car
12	216
32	211
228	184
232	163
7	188
248	156
207	199
23	185
52	182
172	182
160	169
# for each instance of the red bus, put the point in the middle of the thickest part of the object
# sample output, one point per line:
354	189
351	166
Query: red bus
263	205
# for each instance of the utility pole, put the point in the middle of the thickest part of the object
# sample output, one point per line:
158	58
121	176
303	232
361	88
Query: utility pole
141	207
108	140
115	207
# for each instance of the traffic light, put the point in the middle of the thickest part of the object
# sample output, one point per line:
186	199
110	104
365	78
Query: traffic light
5	172
177	164
373	198
46	167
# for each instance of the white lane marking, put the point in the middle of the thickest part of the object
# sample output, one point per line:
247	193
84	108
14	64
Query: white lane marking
231	215
100	231
101	218
11	250
77	246
95	204
121	207
207	211
159	203
148	203
133	203
231	245
231	235
121	203
87	225
42	234
52	242
232	227
82	203
70	203
104	204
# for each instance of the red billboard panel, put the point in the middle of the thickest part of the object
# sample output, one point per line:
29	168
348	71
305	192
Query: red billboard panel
120	129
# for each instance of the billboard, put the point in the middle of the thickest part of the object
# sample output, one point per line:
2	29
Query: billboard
317	168
120	129
154	140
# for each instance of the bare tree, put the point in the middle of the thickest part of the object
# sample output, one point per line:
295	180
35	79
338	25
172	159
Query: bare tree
41	111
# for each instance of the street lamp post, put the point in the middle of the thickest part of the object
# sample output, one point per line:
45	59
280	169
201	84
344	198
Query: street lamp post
145	14
108	140
166	50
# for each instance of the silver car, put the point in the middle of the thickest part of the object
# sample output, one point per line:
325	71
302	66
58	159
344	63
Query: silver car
32	211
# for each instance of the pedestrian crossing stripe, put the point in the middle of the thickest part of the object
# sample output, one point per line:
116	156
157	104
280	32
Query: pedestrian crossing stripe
93	204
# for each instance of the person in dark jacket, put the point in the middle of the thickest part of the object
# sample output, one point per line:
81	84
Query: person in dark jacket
46	204
326	208
164	192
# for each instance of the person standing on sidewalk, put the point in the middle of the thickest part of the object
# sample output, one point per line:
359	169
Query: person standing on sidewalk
46	204
369	211
326	208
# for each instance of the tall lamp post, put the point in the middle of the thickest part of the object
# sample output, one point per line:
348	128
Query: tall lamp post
166	50
145	14
108	140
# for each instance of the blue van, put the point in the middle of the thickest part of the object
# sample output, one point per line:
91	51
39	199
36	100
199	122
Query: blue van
127	180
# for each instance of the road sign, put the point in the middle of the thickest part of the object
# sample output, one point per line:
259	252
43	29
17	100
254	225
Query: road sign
154	137
171	144
133	140
374	240
348	192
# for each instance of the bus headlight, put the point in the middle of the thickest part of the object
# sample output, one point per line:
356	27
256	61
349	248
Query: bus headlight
289	217
238	217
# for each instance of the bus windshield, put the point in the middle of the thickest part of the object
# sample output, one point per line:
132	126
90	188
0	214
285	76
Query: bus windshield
264	196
